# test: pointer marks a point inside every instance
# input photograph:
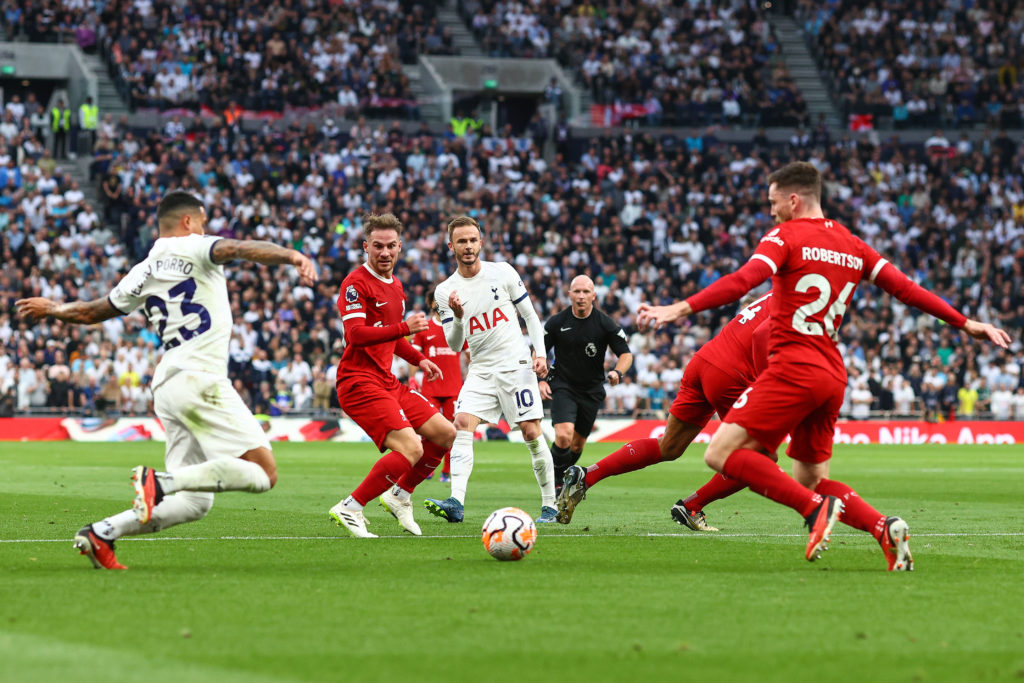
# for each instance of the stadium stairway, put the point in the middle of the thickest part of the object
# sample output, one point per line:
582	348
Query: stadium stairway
430	108
110	101
804	70
462	38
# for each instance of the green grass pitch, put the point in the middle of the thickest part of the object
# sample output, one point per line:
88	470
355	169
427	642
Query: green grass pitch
266	588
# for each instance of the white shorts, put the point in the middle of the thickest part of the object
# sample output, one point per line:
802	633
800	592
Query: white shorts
204	419
514	393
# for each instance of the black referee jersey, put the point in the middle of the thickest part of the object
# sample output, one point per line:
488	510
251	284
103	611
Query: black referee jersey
580	345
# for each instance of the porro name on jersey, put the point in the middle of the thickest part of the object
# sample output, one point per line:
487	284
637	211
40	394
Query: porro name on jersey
838	258
174	265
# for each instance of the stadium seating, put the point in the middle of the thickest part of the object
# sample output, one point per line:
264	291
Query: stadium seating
662	63
946	63
165	55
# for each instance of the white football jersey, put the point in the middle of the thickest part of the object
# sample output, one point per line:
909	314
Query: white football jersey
489	319
184	296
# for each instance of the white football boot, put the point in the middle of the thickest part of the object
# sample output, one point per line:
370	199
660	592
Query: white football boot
401	510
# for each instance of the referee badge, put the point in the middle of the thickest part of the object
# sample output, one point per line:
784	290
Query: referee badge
591	349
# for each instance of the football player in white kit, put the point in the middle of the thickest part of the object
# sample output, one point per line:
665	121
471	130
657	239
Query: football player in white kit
478	304
213	441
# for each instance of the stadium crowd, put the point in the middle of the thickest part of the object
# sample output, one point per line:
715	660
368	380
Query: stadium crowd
651	219
680	63
246	55
946	63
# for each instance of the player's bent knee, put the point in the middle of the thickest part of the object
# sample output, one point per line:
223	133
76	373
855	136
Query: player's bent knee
448	437
531	430
464	423
714	458
263	457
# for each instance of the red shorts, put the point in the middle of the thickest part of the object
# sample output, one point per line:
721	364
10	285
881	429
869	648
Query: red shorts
800	400
379	410
704	391
445	405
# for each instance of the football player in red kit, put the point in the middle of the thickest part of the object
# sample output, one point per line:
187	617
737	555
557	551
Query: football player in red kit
815	265
715	377
443	390
372	305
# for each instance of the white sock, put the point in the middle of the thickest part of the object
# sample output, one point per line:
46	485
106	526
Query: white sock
186	506
543	469
462	464
351	503
400	493
228	474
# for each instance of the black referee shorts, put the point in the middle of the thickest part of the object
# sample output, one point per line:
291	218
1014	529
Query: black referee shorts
571	406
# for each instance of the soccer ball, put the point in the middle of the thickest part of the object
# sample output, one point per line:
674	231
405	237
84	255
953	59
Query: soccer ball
509	534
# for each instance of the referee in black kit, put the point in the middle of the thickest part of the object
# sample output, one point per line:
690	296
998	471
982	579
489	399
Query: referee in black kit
579	335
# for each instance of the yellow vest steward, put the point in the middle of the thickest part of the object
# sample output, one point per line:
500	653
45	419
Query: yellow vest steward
459	126
58	121
89	116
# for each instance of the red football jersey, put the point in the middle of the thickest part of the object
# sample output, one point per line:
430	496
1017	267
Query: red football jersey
816	265
431	343
368	299
741	348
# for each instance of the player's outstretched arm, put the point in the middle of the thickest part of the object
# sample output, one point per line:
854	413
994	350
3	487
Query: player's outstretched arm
895	282
980	330
723	291
654	317
81	312
267	253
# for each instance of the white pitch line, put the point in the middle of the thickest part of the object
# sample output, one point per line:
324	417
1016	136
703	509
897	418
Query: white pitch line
152	539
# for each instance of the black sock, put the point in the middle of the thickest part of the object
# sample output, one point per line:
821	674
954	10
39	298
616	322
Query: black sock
574	457
561	458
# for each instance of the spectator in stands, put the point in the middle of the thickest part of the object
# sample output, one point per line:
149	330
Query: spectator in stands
323	389
860	397
903	397
1002	402
967	397
8	401
61	392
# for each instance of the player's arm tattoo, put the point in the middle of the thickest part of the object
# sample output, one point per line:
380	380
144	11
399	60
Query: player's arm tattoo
257	251
85	312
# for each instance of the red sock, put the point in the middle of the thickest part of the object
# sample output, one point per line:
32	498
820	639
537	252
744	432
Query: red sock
718	487
766	478
635	455
447	469
432	455
385	472
857	512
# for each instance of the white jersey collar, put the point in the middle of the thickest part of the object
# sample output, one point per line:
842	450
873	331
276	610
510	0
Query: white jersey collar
370	270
